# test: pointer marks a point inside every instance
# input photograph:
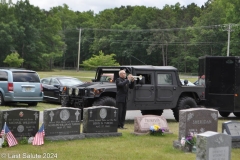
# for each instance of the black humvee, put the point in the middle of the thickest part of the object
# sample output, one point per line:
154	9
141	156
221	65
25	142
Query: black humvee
222	83
156	88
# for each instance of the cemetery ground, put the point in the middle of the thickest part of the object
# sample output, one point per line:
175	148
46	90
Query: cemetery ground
127	146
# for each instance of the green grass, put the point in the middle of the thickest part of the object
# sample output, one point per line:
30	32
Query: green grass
126	147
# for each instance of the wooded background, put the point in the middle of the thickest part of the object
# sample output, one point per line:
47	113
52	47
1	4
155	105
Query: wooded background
175	35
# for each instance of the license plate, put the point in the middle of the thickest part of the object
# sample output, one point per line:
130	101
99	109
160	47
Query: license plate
28	89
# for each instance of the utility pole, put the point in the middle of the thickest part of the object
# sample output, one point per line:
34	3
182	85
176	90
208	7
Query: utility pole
79	47
229	29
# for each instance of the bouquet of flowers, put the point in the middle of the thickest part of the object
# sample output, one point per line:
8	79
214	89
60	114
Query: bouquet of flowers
189	142
156	130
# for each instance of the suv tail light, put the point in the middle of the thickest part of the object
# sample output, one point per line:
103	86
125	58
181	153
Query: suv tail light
10	86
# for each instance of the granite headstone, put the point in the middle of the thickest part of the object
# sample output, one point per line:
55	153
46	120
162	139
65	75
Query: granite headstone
62	123
213	146
232	128
197	120
142	124
100	119
21	122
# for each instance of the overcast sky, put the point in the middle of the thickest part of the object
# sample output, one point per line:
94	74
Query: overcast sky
100	5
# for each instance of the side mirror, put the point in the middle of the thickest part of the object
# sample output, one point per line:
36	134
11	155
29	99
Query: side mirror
142	81
185	82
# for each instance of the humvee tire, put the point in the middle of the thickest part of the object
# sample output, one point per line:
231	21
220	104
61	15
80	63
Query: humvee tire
224	114
237	114
152	112
105	101
184	103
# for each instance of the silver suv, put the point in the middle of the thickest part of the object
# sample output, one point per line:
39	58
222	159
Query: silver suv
19	85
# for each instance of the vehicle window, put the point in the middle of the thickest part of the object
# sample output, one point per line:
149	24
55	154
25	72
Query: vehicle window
107	77
45	81
3	76
25	77
147	78
164	79
70	81
54	82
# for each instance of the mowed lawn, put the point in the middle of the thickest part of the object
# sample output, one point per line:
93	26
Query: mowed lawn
126	147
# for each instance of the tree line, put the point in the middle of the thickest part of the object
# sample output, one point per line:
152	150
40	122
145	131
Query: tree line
175	35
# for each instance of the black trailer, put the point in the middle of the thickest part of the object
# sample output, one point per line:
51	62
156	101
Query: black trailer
222	83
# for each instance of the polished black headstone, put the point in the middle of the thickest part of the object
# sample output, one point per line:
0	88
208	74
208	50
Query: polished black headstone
100	119
20	121
62	121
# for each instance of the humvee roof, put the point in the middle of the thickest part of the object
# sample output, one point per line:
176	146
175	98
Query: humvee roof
145	67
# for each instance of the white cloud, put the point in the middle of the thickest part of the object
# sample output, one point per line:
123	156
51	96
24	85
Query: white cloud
100	5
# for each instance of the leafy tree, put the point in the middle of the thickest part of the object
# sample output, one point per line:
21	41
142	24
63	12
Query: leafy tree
13	60
53	43
8	27
100	60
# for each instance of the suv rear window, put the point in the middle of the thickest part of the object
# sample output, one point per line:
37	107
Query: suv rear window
3	76
25	77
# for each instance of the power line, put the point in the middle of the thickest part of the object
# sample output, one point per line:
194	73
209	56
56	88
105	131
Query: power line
158	30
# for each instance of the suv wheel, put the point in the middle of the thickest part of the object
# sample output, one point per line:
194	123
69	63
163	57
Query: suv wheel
224	114
105	101
184	103
32	104
1	100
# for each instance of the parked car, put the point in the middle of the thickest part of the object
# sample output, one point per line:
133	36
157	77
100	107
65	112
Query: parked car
20	85
188	83
107	78
52	85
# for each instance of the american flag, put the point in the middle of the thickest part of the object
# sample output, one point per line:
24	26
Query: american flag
39	137
9	136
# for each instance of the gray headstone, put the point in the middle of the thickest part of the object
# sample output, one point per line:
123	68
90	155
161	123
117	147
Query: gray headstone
213	146
197	120
232	128
100	119
21	122
142	124
62	121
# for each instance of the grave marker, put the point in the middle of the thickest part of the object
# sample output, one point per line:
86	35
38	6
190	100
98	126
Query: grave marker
213	146
197	120
232	128
20	121
62	123
142	124
99	121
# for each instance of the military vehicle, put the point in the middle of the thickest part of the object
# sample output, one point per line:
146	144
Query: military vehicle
156	88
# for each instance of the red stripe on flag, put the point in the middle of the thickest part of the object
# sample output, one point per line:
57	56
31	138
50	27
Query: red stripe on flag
39	137
11	139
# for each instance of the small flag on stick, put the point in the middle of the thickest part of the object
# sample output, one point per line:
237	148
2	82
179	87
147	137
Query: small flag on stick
39	137
9	136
